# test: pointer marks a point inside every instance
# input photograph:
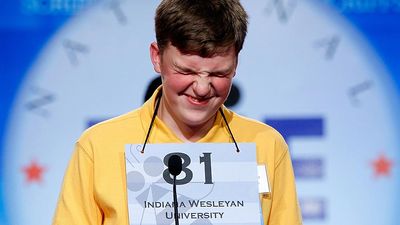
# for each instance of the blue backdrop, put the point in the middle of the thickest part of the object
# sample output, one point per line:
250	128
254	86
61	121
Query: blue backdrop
26	26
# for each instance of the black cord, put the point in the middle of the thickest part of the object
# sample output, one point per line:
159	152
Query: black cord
158	99
229	129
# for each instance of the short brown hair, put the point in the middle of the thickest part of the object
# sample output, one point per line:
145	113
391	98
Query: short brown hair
202	27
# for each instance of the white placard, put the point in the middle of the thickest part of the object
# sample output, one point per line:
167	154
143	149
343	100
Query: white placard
217	185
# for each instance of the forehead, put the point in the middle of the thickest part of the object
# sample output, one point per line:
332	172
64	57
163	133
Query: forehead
221	61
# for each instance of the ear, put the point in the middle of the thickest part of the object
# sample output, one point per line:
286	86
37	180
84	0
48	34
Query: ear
155	57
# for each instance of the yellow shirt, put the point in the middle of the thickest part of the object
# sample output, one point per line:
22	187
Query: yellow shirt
94	188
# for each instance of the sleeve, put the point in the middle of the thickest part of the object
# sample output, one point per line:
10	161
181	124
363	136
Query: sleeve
285	207
76	203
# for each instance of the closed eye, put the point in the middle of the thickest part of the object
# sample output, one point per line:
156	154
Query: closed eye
221	75
186	72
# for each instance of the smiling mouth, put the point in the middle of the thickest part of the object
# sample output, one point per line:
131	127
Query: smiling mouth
198	101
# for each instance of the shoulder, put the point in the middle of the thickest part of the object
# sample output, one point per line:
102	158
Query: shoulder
271	146
113	128
254	127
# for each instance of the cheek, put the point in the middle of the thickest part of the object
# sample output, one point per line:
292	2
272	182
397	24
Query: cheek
222	86
177	82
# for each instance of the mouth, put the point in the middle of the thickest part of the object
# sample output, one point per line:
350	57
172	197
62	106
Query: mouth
198	101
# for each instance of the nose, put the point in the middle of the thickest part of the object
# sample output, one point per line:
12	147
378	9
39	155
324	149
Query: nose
202	86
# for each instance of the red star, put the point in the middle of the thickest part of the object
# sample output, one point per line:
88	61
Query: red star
382	166
33	172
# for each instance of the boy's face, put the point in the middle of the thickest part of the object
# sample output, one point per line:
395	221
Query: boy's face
193	87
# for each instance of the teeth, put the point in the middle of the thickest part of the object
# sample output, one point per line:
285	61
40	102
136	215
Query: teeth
195	99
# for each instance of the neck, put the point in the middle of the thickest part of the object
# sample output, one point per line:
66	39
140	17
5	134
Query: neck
183	131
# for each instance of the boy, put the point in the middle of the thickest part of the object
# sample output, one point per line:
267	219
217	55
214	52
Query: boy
196	54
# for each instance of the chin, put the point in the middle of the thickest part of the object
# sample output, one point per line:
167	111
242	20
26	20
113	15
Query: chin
197	121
